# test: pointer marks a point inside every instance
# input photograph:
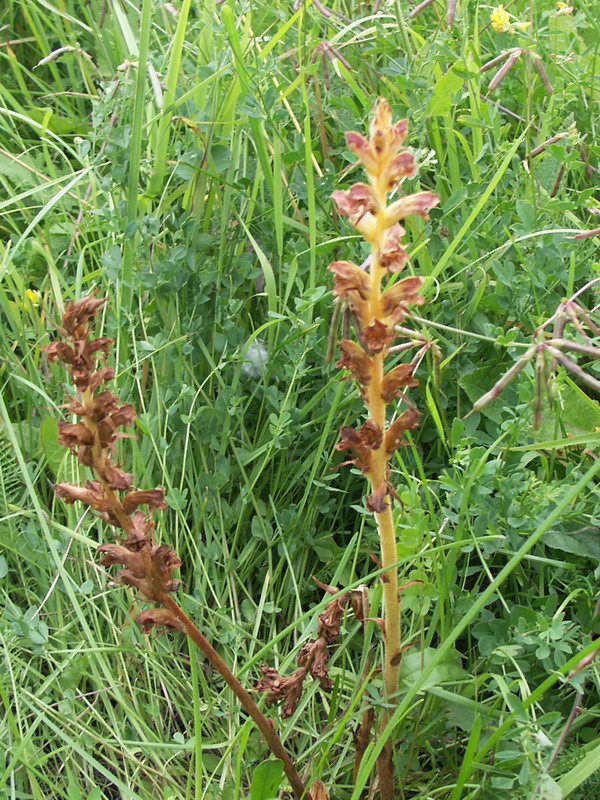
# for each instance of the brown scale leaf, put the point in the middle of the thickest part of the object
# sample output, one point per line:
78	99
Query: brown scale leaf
318	791
375	501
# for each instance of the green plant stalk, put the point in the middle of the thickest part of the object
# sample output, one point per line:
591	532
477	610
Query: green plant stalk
133	180
156	181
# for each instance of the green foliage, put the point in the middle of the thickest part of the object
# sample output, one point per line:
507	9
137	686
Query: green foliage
195	193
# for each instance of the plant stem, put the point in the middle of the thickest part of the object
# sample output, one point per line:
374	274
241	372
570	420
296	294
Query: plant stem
262	723
385	519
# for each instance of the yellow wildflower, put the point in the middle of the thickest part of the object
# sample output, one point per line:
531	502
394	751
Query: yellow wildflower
564	8
500	19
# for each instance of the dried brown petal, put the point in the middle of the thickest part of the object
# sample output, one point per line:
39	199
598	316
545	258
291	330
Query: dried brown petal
377	336
77	315
60	351
325	586
92	494
115	477
102	344
123	415
397	378
153	617
74	434
357	361
164	560
330	620
350	278
149	571
276	687
153	498
136	563
93	380
418	203
393	256
399	294
314	656
393	437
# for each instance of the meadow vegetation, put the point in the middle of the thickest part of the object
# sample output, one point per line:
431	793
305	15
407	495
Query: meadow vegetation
195	195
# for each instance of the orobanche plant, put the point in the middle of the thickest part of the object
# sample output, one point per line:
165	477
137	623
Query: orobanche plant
379	302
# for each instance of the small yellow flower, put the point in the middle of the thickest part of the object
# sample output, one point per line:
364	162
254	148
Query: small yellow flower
34	297
564	8
500	19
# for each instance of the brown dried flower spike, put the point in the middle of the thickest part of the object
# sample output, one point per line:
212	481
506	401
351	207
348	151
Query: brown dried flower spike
147	566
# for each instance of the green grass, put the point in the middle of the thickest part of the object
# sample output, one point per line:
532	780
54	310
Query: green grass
195	195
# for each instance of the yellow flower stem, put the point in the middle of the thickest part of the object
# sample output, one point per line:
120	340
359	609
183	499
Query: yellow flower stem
378	474
385	520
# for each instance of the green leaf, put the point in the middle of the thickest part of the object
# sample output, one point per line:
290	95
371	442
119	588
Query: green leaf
582	542
53	451
415	662
478	383
583	411
547	789
266	780
440	101
580	773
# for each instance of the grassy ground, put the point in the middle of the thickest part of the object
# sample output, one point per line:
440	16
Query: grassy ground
195	194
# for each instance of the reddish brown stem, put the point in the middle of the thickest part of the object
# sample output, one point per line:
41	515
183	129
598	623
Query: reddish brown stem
262	723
